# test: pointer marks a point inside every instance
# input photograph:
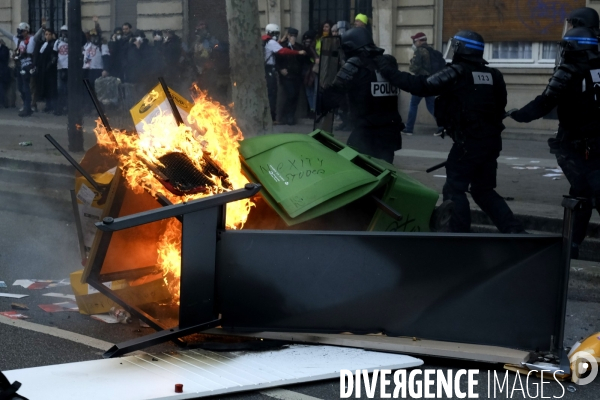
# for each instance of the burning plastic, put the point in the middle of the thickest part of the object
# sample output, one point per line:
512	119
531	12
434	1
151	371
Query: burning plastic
182	163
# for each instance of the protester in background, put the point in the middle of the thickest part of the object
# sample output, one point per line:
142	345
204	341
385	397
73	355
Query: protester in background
139	62
324	32
25	44
290	76
36	80
114	67
123	53
425	62
310	71
334	30
157	53
96	54
273	48
4	73
204	44
173	56
361	21
47	72
61	50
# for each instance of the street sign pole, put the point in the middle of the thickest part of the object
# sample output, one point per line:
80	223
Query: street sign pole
75	88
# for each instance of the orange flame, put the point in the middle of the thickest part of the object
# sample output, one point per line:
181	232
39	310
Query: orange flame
215	132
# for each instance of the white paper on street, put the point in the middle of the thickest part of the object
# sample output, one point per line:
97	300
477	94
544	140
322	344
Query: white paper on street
60	295
552	175
109	319
13	296
23	282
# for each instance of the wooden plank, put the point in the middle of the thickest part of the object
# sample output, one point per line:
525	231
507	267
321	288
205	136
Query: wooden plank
405	345
508	20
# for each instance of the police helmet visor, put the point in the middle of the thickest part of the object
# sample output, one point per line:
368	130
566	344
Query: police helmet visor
465	47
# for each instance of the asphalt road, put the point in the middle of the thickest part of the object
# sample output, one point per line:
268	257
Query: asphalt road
38	241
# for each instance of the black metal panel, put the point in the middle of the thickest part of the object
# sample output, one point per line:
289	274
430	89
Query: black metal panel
198	242
483	289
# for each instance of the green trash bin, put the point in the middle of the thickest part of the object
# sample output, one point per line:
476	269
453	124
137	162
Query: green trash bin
311	177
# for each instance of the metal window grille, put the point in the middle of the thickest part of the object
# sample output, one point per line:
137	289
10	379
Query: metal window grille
337	10
53	10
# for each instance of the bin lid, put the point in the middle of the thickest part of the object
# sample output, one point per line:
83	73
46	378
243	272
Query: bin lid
304	177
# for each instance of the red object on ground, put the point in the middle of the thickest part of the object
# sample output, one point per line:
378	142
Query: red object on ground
178	388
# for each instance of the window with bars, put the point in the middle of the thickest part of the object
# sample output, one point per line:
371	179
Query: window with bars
337	10
53	10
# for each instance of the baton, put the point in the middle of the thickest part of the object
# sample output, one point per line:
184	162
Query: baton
436	167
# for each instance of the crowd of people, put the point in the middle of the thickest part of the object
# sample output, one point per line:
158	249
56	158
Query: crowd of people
39	65
294	65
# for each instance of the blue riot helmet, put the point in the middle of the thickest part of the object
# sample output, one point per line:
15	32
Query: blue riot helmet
577	41
467	45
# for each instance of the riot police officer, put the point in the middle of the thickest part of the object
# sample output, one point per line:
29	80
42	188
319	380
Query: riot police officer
584	17
372	101
470	107
575	90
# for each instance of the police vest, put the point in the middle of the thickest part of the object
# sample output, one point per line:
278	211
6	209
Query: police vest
372	99
476	105
579	107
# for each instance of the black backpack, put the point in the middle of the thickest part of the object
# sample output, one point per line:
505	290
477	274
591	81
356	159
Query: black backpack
437	60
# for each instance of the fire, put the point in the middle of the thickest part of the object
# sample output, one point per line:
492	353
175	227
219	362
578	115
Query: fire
215	132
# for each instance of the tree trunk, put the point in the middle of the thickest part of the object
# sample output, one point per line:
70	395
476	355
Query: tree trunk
246	53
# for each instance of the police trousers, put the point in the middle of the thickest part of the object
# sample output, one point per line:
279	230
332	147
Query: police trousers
472	167
271	77
379	142
583	173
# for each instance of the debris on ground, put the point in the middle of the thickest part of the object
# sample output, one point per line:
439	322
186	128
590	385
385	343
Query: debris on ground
59	307
13	315
109	319
13	296
60	295
143	324
2	284
36	284
19	306
24	144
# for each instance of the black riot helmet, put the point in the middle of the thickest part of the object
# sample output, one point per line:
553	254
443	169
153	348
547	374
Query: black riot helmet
355	39
578	40
585	17
467	45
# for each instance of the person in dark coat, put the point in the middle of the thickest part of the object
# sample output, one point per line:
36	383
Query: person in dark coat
138	63
4	72
47	71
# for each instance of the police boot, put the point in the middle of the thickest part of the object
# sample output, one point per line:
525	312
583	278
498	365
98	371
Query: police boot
440	219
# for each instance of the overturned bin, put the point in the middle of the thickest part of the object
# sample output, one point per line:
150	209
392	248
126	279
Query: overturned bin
316	182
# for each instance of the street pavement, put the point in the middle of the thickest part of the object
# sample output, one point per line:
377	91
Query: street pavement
39	242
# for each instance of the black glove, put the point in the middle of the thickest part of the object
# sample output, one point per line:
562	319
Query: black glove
386	61
510	112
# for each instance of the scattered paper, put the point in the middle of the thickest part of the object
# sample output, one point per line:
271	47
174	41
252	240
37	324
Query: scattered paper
533	167
555	170
552	175
512	158
109	319
534	162
58	307
556	179
143	324
36	284
2	284
439	176
19	306
13	296
13	315
519	168
60	295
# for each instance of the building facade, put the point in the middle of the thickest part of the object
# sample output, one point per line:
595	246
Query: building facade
521	35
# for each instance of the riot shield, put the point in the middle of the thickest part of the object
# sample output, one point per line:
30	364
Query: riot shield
328	69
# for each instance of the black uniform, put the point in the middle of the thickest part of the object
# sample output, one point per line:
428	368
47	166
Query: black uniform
470	107
373	107
575	90
292	82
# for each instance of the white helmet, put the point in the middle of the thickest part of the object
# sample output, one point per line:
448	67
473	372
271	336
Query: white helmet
24	26
272	28
64	28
